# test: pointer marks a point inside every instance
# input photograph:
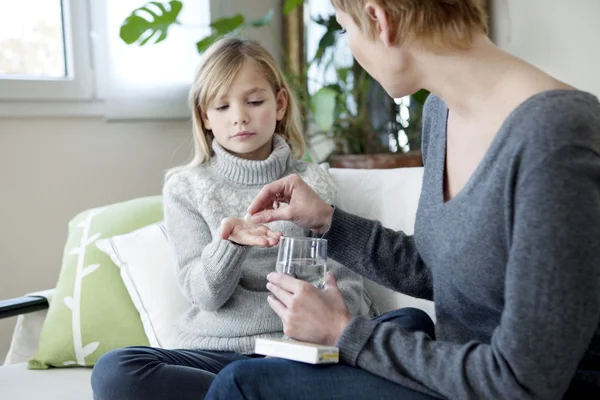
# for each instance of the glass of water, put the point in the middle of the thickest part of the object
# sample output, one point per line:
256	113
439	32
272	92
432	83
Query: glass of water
303	258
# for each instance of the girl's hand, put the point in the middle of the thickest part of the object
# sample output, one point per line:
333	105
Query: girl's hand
309	314
246	233
305	207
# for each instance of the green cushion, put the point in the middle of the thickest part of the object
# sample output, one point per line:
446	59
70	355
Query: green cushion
91	312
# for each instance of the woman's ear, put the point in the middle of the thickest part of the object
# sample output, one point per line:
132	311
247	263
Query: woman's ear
380	20
282	103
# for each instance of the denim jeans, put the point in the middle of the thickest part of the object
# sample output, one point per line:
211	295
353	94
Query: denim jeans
147	373
274	378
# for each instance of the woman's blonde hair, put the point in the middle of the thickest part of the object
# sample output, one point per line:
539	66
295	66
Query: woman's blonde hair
217	71
434	24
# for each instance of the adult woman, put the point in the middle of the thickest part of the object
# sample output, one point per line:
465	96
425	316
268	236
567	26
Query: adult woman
505	239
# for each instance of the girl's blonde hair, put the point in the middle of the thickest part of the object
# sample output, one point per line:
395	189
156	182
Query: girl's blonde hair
434	24
217	71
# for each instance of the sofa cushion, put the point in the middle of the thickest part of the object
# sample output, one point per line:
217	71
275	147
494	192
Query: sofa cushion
148	268
92	312
18	382
390	196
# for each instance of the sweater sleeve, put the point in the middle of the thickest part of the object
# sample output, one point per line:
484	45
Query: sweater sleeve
208	268
349	282
350	285
382	255
552	306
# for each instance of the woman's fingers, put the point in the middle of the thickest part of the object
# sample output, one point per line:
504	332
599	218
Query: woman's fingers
266	216
278	307
282	295
267	196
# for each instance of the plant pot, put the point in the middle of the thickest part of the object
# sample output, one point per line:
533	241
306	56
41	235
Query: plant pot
377	161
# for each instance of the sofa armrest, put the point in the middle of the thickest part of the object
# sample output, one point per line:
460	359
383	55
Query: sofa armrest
29	303
22	305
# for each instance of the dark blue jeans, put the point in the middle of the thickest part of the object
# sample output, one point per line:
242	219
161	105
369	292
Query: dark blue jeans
149	373
274	378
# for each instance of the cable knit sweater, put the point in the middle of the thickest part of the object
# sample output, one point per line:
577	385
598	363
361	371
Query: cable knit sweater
225	282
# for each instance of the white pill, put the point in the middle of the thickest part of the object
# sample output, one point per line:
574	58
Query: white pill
247	217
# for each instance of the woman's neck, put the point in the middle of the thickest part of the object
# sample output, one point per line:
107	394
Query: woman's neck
481	78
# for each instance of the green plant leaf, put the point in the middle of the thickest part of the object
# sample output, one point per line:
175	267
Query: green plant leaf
290	5
322	105
327	41
320	20
223	26
333	24
264	20
343	73
335	87
206	42
420	96
135	26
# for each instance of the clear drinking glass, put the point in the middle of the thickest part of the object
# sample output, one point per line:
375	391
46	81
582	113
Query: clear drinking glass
303	258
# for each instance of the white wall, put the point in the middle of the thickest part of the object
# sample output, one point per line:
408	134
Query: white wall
52	168
559	36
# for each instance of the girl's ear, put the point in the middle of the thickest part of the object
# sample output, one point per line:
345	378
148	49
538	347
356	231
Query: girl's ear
204	119
282	103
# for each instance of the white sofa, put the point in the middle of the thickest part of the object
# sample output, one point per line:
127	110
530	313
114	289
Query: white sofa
390	196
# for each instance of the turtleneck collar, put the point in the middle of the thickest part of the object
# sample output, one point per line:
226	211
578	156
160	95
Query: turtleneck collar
250	172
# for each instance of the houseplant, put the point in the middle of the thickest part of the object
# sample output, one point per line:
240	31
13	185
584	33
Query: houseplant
351	110
368	128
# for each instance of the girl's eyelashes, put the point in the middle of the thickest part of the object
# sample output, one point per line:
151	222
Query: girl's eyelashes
254	103
342	31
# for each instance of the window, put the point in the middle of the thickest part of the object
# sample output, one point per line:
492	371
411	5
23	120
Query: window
43	55
65	57
151	80
32	44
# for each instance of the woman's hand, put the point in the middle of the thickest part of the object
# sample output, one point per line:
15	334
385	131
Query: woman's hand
246	233
305	207
308	314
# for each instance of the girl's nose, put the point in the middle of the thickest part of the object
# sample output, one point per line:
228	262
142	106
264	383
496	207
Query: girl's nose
241	117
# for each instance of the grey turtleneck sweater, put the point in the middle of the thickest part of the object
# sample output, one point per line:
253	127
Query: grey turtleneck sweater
512	262
225	282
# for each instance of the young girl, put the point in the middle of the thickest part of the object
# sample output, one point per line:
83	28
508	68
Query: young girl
246	134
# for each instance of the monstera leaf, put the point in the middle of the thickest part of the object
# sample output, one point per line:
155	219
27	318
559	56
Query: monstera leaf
138	29
221	27
224	26
231	26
